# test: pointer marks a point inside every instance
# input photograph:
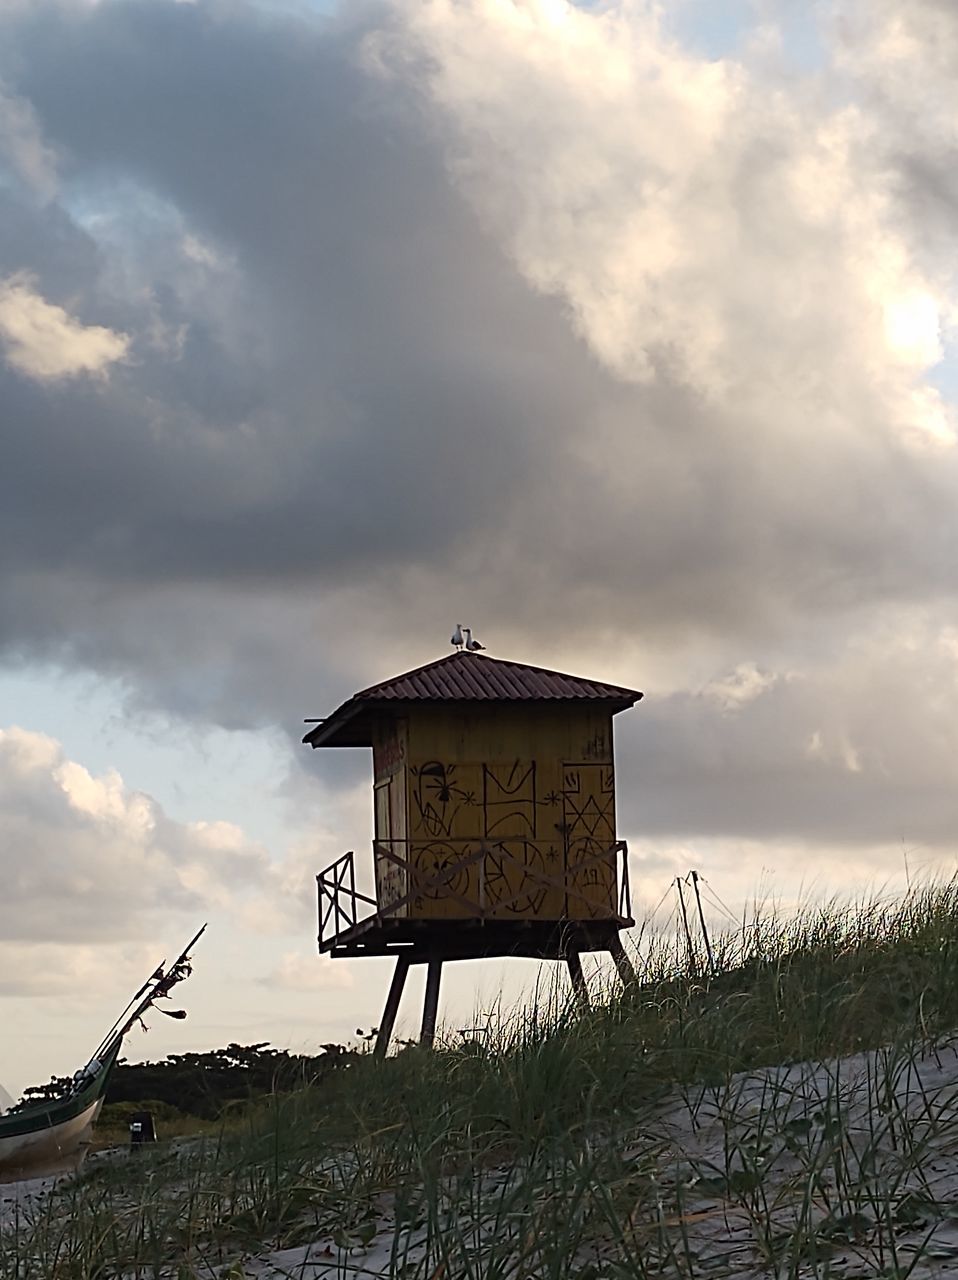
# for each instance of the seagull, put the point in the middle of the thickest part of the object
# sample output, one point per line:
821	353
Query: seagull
457	639
473	646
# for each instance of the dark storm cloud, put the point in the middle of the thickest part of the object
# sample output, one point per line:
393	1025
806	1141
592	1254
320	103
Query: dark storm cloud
378	389
393	389
385	404
379	374
381	393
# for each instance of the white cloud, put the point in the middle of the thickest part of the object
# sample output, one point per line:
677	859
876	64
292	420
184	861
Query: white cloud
23	146
297	971
912	328
740	686
855	749
746	877
51	969
45	342
199	252
88	863
702	224
906	51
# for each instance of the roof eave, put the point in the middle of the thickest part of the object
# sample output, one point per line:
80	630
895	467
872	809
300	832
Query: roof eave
331	727
342	730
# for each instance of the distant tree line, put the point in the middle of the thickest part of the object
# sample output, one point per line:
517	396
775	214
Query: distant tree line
203	1084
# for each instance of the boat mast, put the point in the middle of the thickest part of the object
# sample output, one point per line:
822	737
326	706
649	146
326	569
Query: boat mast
157	986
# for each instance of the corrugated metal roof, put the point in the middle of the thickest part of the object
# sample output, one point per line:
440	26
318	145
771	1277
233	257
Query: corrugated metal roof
475	677
466	677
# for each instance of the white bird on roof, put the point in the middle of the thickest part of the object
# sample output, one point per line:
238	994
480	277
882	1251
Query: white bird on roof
457	639
473	646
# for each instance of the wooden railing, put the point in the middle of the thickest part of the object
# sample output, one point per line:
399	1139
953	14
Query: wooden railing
465	882
339	898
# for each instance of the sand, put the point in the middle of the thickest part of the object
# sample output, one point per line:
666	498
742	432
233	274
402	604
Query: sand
742	1158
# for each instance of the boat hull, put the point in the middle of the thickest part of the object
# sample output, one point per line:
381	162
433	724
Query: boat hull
55	1133
58	1146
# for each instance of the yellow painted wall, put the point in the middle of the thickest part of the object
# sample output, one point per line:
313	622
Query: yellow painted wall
390	758
535	785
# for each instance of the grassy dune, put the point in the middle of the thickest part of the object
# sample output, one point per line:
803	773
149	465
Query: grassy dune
793	1114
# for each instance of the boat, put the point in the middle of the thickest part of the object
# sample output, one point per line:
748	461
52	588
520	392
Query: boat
47	1136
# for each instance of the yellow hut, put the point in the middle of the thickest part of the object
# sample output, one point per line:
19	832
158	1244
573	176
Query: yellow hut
495	831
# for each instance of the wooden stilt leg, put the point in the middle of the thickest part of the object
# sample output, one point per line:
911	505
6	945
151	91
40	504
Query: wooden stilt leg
431	1005
578	979
622	962
392	1006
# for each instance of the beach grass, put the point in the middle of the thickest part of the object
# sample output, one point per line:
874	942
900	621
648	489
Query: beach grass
786	1111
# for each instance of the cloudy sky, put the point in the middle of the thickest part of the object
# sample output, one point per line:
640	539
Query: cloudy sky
624	331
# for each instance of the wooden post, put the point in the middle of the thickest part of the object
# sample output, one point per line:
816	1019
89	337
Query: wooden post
384	1034
431	1004
578	979
705	932
622	962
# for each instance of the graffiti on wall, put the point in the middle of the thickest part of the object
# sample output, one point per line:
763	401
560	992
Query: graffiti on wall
444	870
588	801
551	853
475	801
515	877
509	799
442	795
588	814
